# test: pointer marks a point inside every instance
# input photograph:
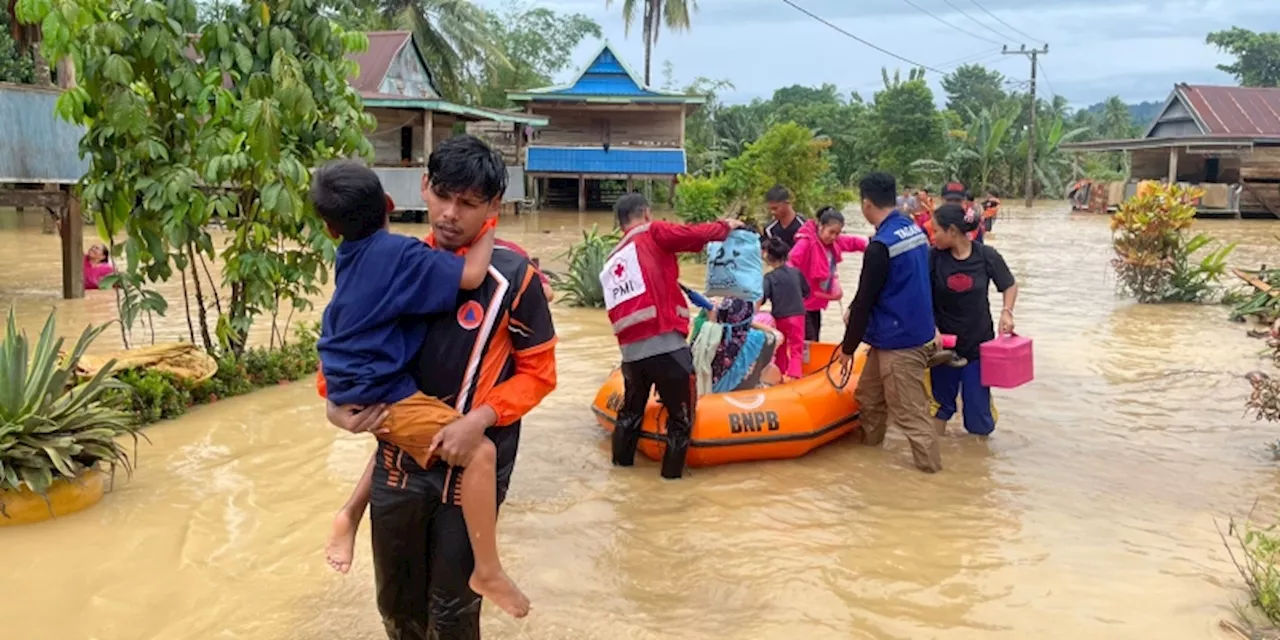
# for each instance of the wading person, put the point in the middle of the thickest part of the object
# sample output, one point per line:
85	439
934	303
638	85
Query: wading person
651	321
961	272
786	222
492	359
893	313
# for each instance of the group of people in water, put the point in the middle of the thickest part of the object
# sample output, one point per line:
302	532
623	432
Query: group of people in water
917	284
440	347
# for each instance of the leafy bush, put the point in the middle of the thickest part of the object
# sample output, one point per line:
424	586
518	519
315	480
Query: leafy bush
51	423
152	396
790	155
1153	253
1196	281
701	199
580	283
1249	301
1259	552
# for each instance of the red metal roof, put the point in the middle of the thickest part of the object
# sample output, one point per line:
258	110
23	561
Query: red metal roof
1238	111
376	60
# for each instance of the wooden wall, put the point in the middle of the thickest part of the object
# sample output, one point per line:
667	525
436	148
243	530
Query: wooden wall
655	126
499	135
386	138
1261	165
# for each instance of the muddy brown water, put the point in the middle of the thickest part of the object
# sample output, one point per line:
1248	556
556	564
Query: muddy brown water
1090	513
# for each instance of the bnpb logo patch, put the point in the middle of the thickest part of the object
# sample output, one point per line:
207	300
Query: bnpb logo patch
470	315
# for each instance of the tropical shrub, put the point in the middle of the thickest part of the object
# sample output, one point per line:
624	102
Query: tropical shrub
1254	549
701	198
1251	302
790	155
152	396
52	424
1193	281
580	283
1152	251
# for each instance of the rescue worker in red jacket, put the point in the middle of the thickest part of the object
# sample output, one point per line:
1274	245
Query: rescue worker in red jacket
651	321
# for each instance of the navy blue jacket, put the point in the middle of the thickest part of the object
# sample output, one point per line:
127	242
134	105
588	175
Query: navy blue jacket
902	316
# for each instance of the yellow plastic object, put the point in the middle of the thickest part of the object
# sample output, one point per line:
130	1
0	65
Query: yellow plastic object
64	497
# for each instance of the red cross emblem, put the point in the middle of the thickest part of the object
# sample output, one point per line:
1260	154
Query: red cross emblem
618	270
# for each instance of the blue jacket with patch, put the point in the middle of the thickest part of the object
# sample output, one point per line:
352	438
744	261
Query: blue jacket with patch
902	317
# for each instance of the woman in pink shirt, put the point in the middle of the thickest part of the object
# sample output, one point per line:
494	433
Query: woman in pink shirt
97	265
818	250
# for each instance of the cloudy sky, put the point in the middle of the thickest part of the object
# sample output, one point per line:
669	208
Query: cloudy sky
1135	48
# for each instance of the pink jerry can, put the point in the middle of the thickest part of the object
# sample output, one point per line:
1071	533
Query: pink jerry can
1006	362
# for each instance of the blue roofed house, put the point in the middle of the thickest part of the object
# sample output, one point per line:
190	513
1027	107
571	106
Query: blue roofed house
605	125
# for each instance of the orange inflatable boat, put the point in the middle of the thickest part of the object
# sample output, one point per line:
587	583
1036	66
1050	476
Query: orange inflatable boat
772	423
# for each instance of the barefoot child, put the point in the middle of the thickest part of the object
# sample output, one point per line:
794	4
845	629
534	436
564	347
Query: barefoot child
368	343
785	288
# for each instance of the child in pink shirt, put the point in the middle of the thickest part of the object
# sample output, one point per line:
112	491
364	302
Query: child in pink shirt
818	250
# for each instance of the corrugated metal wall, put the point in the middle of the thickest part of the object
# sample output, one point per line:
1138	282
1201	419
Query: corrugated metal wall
36	145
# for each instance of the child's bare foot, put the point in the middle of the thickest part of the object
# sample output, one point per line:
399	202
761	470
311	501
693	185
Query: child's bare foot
341	546
499	589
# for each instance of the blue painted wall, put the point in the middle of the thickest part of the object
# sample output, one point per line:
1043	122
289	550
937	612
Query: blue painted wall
615	161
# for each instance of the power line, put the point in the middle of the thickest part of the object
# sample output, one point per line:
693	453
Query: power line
978	22
948	24
850	35
997	19
977	58
1045	76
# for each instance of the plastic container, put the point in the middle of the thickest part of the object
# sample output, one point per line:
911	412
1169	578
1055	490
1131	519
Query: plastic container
1007	362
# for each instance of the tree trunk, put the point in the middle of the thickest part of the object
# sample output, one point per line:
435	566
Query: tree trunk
43	77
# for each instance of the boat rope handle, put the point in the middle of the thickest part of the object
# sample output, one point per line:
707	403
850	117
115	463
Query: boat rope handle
845	373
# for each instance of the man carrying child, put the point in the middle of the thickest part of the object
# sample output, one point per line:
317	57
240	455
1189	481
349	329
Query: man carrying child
489	359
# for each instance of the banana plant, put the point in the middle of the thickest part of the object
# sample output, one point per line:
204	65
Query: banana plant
52	423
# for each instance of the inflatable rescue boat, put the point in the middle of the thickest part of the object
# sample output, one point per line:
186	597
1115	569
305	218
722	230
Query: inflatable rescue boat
772	423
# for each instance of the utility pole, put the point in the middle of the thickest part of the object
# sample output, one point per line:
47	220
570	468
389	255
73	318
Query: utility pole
1031	133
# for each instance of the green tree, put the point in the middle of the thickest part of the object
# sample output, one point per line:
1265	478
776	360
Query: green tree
537	42
655	13
908	125
175	142
972	88
1257	55
15	63
787	154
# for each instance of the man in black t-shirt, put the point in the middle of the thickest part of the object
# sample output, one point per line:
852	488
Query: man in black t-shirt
786	222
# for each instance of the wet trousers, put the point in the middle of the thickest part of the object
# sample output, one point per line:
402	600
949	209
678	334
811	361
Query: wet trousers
966	382
790	358
891	391
672	374
422	558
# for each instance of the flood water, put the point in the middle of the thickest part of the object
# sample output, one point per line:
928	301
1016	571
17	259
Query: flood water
1089	514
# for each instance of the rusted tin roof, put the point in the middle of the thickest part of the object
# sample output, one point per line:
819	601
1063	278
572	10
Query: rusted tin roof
376	60
1234	111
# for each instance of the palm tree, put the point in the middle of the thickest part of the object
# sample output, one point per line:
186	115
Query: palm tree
674	13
